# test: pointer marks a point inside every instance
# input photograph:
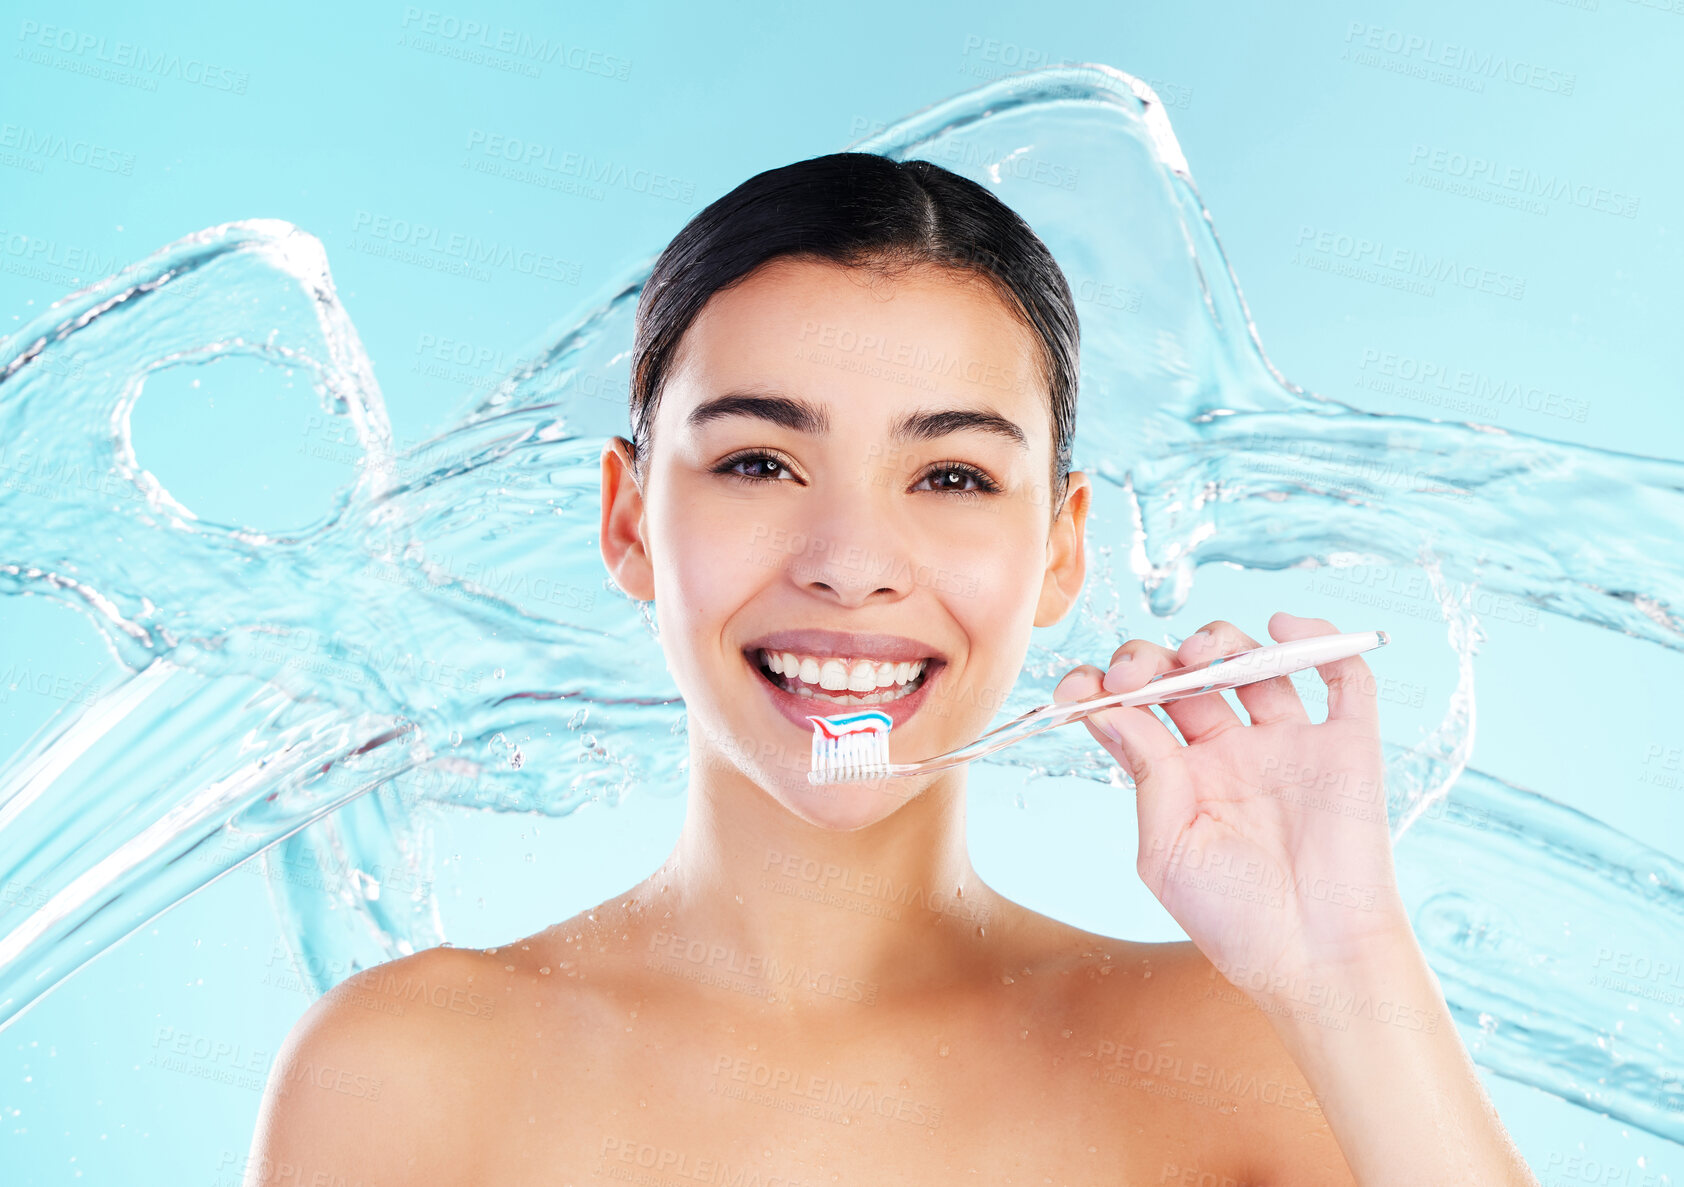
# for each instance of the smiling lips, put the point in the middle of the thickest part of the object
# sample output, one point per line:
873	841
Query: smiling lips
809	666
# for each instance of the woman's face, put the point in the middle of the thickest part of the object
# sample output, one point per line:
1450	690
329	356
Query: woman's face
851	473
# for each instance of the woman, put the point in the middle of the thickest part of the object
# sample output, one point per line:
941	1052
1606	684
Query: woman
848	482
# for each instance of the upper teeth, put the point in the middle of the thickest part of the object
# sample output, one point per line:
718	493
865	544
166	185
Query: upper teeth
855	675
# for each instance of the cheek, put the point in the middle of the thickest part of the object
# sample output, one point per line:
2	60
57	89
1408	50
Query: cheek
986	566
704	557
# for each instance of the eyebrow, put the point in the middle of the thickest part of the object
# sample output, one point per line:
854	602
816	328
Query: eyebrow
799	416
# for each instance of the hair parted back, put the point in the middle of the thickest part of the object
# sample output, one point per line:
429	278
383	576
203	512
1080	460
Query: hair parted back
858	210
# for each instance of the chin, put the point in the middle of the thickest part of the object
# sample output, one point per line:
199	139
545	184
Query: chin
845	807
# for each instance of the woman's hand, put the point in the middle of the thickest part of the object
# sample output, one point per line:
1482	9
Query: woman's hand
1266	842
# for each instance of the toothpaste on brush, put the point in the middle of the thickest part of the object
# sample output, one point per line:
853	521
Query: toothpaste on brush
850	742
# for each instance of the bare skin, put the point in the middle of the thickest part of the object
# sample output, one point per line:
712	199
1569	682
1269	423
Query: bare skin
816	987
1100	1061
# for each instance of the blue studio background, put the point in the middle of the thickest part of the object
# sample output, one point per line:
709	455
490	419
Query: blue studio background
1304	124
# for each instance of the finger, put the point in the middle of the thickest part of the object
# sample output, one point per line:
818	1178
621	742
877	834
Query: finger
1137	662
1208	714
1350	683
1133	736
1268	701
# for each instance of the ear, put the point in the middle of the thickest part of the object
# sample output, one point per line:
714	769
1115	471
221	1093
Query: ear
1067	563
625	549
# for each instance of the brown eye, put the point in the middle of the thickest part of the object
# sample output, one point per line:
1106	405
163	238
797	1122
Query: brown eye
951	477
756	466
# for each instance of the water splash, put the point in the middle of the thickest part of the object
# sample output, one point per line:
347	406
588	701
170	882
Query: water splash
301	696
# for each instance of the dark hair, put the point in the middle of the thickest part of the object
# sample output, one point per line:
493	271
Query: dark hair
858	210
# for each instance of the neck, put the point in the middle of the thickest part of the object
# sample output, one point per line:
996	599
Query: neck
816	916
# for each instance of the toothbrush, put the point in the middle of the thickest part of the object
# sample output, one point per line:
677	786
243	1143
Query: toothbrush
850	747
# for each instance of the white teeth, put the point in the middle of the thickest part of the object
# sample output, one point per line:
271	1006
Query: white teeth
881	697
873	680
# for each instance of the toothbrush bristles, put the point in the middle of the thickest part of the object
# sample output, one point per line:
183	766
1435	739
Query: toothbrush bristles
850	747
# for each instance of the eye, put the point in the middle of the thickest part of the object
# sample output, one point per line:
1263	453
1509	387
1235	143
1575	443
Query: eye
950	477
768	464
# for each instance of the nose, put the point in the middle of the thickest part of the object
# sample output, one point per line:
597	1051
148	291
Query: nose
856	553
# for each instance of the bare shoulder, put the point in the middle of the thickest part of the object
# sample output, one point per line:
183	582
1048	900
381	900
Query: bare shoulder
384	1076
1204	1041
1168	1046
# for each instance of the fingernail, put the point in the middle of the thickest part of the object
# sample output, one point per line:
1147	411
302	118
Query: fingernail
1106	728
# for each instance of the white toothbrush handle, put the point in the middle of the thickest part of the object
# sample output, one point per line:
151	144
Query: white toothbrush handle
1259	663
1227	671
